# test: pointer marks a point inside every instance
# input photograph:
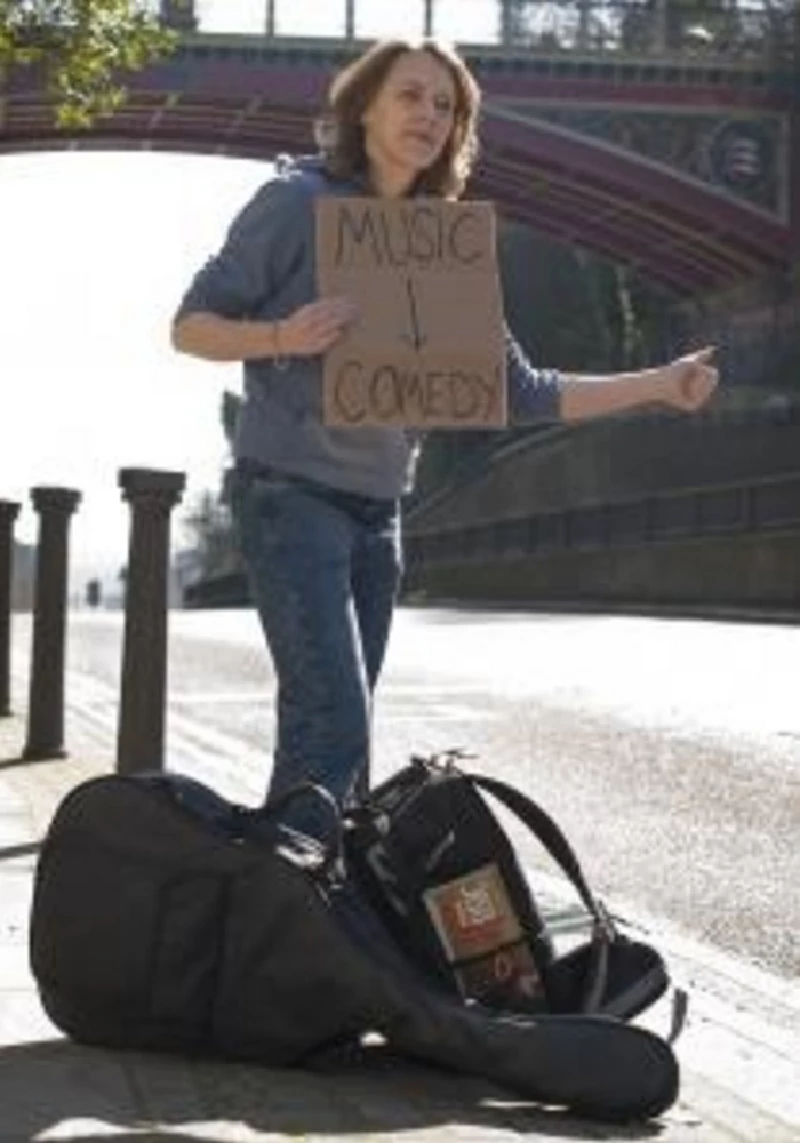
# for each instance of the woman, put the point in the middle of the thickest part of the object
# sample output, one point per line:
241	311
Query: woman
317	508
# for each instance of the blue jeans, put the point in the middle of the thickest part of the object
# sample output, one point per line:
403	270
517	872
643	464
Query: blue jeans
324	568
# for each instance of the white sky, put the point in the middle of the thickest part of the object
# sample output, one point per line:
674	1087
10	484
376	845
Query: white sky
462	20
95	251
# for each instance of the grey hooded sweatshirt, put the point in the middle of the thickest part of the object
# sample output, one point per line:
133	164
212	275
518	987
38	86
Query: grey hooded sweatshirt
266	270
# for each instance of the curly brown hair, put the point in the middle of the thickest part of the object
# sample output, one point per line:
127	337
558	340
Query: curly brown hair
340	133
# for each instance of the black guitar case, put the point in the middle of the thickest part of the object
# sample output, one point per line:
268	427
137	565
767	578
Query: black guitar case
165	918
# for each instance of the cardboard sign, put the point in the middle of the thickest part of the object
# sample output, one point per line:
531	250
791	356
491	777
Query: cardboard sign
427	349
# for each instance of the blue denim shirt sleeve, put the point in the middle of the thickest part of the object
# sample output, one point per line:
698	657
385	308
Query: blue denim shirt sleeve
263	244
534	395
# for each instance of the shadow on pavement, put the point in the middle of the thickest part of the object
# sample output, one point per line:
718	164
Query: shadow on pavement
19	760
56	1089
26	850
16	760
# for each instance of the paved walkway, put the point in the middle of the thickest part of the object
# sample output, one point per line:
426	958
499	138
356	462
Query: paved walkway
51	1089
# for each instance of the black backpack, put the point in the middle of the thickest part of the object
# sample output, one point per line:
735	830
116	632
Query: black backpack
440	870
165	918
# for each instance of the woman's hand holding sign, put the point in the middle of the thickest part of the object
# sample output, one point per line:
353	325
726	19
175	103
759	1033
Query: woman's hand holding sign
314	328
308	331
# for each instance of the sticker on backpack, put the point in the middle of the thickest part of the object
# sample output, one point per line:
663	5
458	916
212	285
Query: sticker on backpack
481	935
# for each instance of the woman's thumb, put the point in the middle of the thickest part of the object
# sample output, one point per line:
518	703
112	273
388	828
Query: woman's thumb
705	354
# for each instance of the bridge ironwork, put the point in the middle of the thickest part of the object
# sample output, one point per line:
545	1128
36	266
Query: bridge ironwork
664	136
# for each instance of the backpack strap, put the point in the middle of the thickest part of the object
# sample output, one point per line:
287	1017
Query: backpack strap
550	836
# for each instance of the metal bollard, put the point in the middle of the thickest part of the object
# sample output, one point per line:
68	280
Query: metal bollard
140	738
45	736
8	514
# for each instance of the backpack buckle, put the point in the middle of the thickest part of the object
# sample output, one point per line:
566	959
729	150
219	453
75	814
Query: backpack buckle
603	927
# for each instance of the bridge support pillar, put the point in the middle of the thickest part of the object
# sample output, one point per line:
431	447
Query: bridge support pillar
505	23
140	738
179	15
658	38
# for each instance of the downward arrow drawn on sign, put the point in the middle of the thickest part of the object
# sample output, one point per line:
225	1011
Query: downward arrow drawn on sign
417	339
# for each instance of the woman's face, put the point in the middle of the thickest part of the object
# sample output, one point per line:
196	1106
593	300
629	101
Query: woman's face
409	120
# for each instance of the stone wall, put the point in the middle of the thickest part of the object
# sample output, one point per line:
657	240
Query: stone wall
611	459
754	573
647	512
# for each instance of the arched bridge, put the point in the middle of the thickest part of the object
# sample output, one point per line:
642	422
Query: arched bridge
683	163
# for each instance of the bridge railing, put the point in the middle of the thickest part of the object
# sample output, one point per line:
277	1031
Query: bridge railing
631	27
748	31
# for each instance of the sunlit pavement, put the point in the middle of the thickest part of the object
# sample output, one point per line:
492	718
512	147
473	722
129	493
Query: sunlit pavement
724	676
522	690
